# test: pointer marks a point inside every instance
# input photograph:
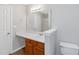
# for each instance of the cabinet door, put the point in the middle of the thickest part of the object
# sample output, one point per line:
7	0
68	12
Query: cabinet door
34	47
29	49
40	45
38	51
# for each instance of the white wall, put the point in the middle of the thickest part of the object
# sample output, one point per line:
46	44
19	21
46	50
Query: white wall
66	20
18	43
19	20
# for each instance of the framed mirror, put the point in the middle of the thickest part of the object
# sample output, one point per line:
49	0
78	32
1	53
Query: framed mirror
38	18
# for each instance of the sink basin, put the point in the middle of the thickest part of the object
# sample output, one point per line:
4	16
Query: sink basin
35	36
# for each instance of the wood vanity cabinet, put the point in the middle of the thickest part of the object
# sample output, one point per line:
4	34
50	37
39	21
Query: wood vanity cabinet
34	47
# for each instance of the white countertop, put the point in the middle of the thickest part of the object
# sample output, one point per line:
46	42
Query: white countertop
33	36
40	36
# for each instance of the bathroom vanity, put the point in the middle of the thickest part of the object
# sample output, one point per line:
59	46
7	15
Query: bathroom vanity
34	43
39	44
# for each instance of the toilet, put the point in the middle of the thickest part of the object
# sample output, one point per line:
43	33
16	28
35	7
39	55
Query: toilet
69	48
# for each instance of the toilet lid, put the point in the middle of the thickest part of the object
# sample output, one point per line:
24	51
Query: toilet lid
69	45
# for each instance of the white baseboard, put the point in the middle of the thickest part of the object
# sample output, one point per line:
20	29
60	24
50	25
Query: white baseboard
17	49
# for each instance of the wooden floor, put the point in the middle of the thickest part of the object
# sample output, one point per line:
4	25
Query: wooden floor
20	52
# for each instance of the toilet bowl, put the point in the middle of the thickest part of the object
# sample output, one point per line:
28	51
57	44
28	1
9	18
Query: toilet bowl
69	48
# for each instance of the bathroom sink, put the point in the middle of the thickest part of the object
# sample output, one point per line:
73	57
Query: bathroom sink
36	36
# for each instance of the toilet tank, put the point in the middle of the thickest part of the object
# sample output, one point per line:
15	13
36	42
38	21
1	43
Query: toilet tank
69	48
